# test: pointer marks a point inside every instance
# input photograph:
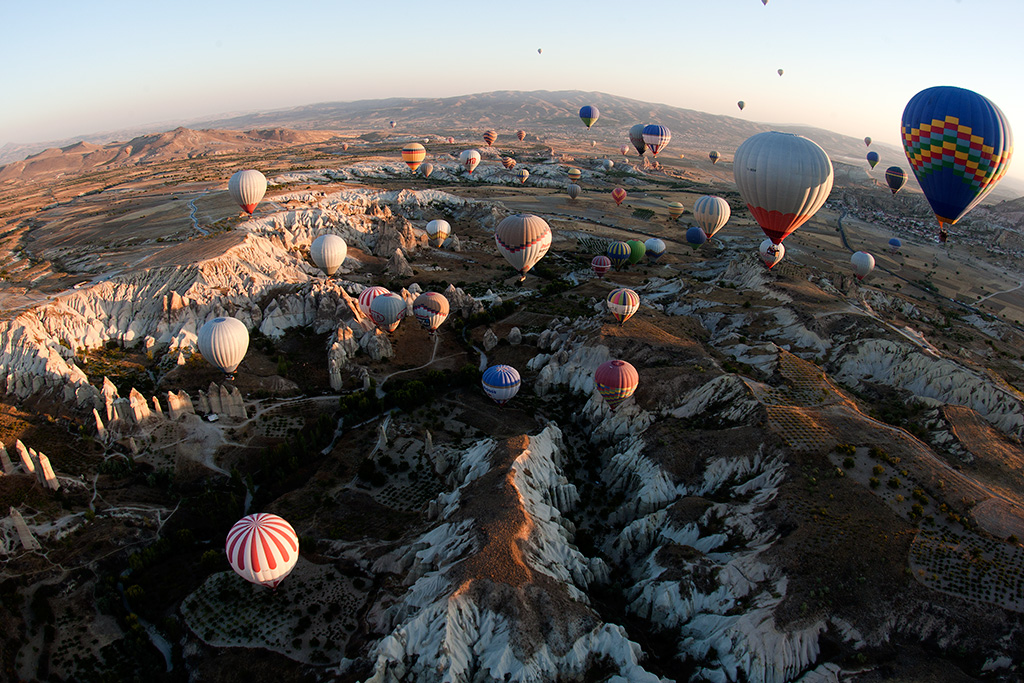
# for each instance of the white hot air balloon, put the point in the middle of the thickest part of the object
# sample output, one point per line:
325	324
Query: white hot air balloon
523	239
328	253
783	178
438	231
863	264
607	164
262	548
711	214
469	158
387	311
771	253
223	343
247	189
367	296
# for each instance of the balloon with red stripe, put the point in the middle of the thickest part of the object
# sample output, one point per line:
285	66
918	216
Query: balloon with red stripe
523	239
616	381
618	194
771	253
656	137
413	155
387	311
262	548
431	309
622	304
783	179
367	296
521	134
247	189
523	175
601	265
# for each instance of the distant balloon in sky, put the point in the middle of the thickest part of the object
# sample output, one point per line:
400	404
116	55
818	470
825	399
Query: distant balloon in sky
247	189
607	164
959	146
413	155
741	104
714	156
622	304
344	147
523	239
521	134
894	245
540	51
636	136
675	210
387	311
771	253
490	136
367	296
656	137
618	194
589	115
501	383
328	253
522	174
575	174
623	149
451	141
426	169
872	159
618	253
780	72
508	162
431	310
573	190
695	236
764	2
223	342
438	231
262	548
600	264
783	179
469	158
616	381
867	142
711	214
393	124
895	178
863	264
655	248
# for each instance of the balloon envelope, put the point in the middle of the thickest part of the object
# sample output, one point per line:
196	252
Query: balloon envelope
872	159
223	343
393	124
523	175
618	194
262	548
469	158
714	156
575	174
867	142
619	253
636	136
490	136
387	311
895	178
636	251
655	248
367	296
675	210
771	253
574	190
607	164
656	137
438	231
589	115
741	104
328	253
521	134
523	239
508	162
501	383
863	263
695	236
711	213
431	309
426	169
247	189
600	265
783	179
959	146
623	303
413	155
894	244
616	381
623	149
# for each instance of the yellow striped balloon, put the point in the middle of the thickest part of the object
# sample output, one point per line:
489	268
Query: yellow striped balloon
575	174
623	303
413	155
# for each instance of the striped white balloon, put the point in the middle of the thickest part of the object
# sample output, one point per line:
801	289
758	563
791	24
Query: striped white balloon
771	254
711	214
523	239
431	309
262	548
247	189
387	311
223	343
328	253
438	231
367	296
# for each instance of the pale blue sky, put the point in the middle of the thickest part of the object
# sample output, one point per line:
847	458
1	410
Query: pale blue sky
850	65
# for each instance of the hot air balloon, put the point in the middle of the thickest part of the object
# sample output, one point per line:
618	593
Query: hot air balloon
522	174
783	179
469	158
618	253
675	210
501	383
656	137
622	304
575	174
438	231
523	239
764	2
426	169
695	236
540	50
959	146
367	296
741	104
711	214
593	143
867	142
223	342
413	155
895	178
872	159
521	134
623	149
600	265
589	115
344	147
387	311
616	381
863	263
490	136
714	156
247	189
636	136
451	141
431	309
573	190
607	164
328	253
655	248
393	124
780	72
771	253
508	162
618	194
262	548
894	245
636	251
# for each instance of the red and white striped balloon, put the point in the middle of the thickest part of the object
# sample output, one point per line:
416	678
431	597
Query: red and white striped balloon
367	296
262	548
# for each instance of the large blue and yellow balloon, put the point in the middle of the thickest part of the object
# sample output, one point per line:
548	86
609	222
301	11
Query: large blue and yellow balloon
959	145
589	115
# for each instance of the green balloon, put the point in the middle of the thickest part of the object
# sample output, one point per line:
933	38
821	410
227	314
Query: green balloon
636	251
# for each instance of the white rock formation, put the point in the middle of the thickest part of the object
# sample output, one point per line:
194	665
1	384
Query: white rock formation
26	459
5	460
49	478
28	541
